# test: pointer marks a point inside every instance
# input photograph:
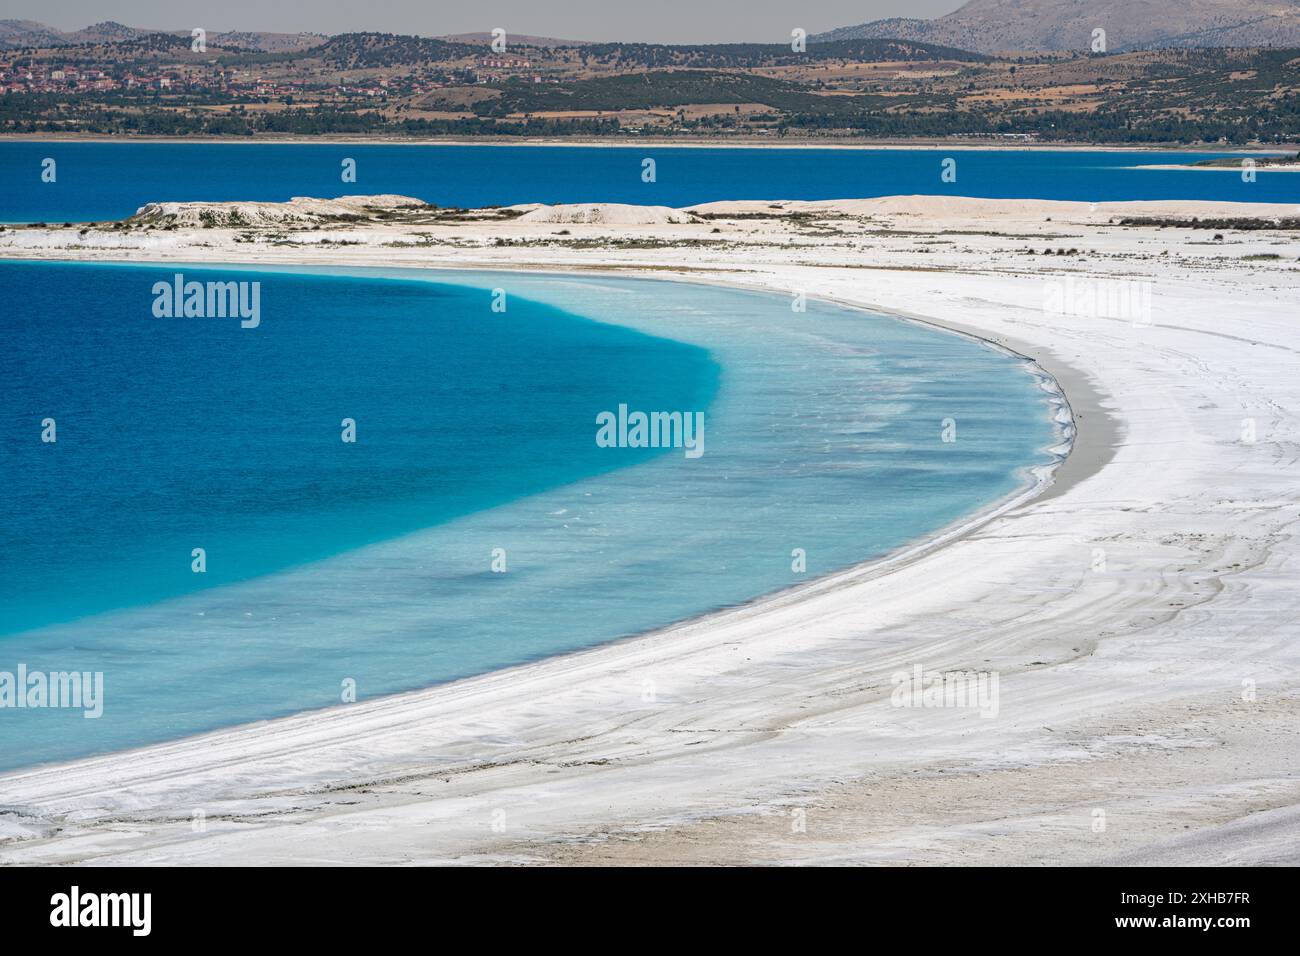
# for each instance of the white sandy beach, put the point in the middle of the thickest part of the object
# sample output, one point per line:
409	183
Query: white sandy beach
1287	168
1141	613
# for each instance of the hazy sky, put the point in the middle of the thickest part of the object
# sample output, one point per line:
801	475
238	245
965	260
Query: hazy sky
665	21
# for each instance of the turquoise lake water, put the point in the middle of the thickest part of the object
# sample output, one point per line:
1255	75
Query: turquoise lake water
104	180
372	561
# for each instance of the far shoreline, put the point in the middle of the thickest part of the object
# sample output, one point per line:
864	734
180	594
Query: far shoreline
661	142
1194	168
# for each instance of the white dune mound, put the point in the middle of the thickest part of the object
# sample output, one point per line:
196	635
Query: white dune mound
300	209
608	213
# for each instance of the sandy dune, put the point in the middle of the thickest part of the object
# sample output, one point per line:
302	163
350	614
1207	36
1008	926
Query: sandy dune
609	214
301	210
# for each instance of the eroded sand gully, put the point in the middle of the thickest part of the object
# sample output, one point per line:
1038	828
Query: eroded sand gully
1142	614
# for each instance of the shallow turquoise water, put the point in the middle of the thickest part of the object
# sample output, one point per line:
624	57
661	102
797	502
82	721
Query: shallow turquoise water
372	562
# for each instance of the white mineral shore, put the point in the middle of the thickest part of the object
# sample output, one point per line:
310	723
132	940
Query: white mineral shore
1141	614
1260	167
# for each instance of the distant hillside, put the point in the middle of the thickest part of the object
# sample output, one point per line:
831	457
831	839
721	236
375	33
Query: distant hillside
750	55
22	34
354	51
512	40
668	89
267	42
994	26
107	32
119	80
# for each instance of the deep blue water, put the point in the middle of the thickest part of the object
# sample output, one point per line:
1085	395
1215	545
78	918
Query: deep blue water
97	181
181	433
476	431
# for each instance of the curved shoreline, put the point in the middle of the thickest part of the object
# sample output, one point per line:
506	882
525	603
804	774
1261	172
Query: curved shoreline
278	738
1036	479
1120	689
